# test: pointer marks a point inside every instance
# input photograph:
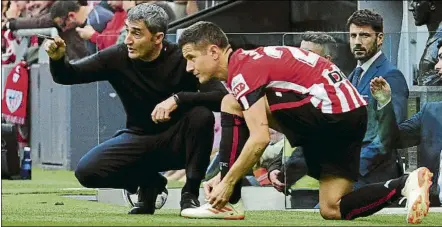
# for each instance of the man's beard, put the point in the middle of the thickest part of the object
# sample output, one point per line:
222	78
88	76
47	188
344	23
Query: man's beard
368	53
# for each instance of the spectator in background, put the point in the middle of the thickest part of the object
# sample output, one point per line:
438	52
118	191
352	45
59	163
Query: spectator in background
127	5
5	6
75	48
37	8
9	41
110	34
105	4
70	15
17	9
25	11
12	10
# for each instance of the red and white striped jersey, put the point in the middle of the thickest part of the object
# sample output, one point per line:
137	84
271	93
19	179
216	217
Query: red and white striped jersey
290	69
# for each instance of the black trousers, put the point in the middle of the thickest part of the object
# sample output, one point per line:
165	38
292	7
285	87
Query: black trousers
132	159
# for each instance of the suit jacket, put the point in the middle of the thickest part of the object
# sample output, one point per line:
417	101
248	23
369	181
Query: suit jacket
378	163
424	129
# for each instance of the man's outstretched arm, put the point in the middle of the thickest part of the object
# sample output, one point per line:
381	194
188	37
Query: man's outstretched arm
392	135
89	69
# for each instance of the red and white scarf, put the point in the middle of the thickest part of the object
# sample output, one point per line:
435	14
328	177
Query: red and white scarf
15	96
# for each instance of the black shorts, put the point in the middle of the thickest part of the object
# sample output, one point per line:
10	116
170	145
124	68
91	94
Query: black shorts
331	142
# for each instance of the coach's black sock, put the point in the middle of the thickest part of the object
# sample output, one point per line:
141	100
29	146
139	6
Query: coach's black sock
234	135
371	198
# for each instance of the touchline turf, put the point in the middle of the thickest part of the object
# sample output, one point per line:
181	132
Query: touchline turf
39	202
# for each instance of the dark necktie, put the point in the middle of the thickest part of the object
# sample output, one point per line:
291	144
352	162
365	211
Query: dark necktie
356	75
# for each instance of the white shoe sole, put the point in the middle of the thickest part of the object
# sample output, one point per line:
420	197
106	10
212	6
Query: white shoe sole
215	214
219	217
419	209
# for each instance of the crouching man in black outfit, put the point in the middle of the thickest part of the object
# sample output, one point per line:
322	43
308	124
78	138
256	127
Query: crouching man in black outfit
174	134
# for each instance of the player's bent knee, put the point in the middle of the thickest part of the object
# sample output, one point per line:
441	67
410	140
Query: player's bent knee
230	105
330	212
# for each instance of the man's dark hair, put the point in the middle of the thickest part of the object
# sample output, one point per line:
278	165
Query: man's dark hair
439	44
203	33
62	8
153	16
325	40
365	17
85	3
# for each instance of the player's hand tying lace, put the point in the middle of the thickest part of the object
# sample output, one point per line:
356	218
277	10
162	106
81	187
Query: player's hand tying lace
220	195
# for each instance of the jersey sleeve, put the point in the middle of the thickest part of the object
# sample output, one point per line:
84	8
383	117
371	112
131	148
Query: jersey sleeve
248	85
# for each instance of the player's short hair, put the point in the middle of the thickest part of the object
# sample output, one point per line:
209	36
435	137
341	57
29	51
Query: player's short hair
154	17
366	17
62	8
83	2
325	40
202	34
439	44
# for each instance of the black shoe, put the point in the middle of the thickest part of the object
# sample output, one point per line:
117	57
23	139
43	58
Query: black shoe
146	201
189	200
159	203
147	196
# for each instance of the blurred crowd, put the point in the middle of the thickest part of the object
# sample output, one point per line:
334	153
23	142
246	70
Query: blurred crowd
88	26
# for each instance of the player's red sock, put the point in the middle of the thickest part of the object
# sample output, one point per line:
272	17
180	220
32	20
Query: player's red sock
233	137
371	198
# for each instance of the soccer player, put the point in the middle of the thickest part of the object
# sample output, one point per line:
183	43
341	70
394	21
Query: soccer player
169	123
307	98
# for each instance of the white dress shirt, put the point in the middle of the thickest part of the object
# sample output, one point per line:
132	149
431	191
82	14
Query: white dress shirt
368	63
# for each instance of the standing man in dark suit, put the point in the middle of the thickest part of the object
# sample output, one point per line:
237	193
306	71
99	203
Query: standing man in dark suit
366	38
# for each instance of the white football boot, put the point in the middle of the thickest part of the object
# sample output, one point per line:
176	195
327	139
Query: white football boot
206	211
416	190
